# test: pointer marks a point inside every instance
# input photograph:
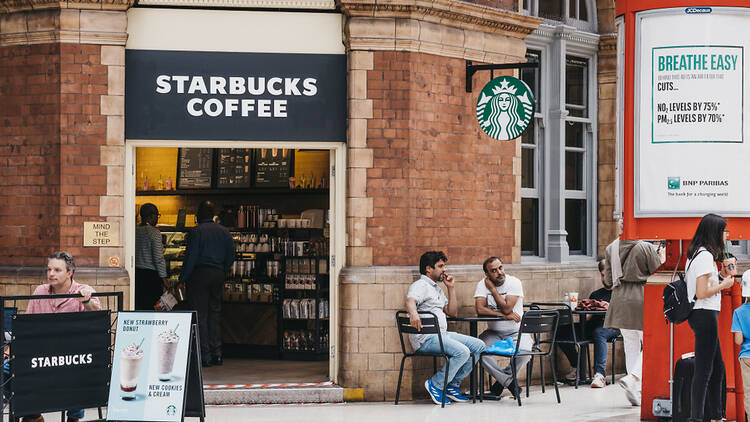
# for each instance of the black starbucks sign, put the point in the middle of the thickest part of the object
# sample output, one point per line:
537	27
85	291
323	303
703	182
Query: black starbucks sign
195	95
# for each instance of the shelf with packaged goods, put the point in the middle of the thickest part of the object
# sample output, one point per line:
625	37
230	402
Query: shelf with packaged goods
232	191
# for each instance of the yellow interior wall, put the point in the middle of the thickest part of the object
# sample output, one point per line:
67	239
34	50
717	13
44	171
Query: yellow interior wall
311	165
162	162
155	164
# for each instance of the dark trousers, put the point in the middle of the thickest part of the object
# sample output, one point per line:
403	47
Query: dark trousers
148	289
204	293
709	367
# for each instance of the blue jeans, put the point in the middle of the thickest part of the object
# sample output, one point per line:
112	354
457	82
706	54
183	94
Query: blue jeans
459	349
600	337
73	413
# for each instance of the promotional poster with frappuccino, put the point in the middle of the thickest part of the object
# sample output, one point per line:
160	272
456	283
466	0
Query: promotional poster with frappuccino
149	366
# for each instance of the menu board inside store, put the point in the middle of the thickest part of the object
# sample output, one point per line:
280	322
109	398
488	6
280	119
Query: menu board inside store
273	167
196	165
234	168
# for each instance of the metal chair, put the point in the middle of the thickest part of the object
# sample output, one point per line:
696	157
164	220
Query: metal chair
567	320
536	323
430	325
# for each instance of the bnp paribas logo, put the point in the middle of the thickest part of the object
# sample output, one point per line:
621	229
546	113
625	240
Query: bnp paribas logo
673	183
505	108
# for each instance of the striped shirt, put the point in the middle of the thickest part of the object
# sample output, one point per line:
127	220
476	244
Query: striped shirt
149	252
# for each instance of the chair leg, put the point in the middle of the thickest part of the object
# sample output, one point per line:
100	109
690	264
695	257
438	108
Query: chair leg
529	368
578	367
554	379
613	361
400	374
481	381
473	381
445	381
515	380
541	370
100	413
588	363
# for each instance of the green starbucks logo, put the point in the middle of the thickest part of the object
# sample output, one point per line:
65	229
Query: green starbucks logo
505	108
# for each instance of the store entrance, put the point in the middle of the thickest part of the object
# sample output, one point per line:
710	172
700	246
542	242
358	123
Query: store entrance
277	205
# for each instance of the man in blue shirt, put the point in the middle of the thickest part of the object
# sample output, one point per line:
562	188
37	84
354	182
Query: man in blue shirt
208	258
741	330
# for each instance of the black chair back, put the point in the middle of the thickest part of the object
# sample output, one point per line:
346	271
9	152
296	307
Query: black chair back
430	325
566	316
538	322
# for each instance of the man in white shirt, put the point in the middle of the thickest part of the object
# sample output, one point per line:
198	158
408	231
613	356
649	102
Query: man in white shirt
425	295
501	295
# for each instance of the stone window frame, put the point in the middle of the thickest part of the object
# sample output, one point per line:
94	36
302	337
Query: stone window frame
582	44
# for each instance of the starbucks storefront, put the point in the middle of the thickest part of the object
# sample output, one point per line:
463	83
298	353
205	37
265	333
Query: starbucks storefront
253	118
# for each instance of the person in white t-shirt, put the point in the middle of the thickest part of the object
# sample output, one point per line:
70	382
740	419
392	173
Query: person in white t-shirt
704	284
501	295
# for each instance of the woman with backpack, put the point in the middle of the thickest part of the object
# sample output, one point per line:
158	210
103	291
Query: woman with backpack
704	285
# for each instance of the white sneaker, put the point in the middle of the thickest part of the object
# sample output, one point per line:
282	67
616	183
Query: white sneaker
631	389
571	375
598	381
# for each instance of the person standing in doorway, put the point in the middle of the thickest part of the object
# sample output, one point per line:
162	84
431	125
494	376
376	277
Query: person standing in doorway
704	285
208	258
150	267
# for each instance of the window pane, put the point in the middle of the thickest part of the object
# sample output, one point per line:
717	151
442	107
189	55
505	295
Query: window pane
530	226
573	170
574	134
572	9
525	4
532	76
527	167
575	225
575	81
583	13
528	135
551	9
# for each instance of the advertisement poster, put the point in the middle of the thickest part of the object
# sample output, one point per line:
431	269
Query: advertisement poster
149	366
691	96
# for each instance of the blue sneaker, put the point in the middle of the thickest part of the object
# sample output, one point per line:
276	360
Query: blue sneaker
455	394
435	393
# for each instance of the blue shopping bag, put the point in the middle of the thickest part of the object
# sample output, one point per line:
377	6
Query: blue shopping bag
504	347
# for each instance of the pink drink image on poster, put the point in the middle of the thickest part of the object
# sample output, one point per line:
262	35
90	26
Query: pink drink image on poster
166	347
131	359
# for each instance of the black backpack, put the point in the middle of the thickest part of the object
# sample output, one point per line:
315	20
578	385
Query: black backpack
677	307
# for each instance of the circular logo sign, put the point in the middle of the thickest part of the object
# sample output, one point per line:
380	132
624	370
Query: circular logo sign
505	108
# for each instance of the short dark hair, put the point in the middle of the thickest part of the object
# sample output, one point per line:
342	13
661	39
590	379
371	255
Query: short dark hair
429	259
70	263
600	263
206	211
147	210
490	260
709	234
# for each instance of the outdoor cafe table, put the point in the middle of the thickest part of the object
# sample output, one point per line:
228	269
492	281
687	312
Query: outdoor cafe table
473	332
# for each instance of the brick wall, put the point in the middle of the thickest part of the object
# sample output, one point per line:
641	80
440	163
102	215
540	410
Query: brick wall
29	142
436	180
52	141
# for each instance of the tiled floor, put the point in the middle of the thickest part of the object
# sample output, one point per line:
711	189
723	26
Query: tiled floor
247	371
